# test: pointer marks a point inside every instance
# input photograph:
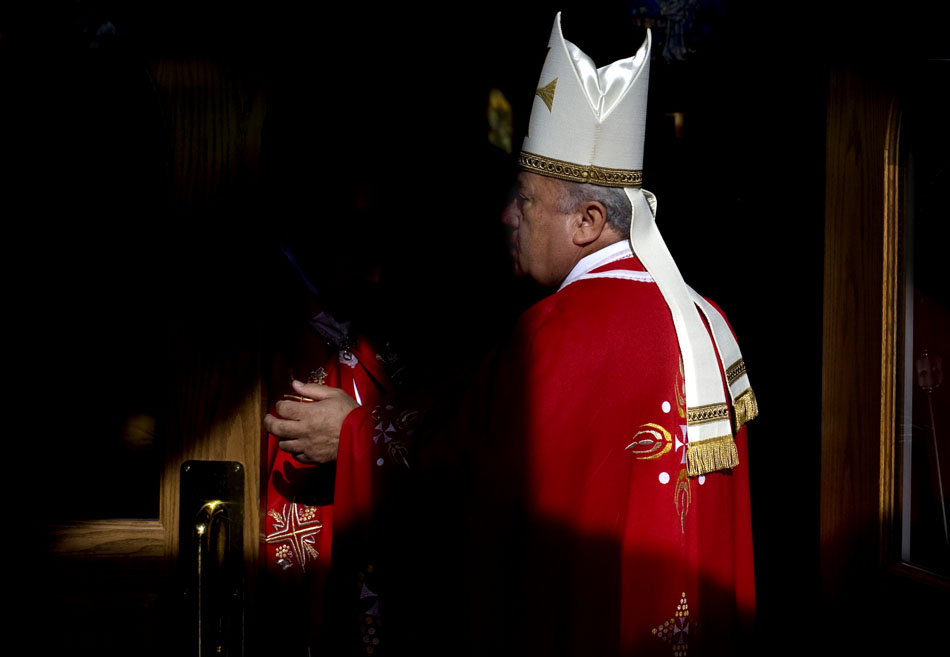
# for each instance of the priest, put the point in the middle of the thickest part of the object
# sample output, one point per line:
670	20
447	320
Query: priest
587	493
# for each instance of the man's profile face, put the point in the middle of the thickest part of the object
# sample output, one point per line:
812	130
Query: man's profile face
542	238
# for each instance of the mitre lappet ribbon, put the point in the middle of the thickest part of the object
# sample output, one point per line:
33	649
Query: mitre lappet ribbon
711	445
744	404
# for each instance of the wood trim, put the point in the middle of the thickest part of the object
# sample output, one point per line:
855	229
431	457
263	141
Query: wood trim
850	516
920	576
890	332
108	538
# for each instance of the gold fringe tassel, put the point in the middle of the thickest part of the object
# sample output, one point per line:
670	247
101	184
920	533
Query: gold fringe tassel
711	455
746	407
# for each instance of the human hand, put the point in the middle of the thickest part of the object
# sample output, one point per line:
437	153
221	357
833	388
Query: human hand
310	430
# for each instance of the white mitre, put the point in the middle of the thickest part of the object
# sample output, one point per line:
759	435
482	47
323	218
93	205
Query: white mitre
588	125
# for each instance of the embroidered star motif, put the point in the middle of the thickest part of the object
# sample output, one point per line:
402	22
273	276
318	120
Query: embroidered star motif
319	376
384	432
295	528
675	631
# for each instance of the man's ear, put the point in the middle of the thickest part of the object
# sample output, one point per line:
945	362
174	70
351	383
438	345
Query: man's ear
592	221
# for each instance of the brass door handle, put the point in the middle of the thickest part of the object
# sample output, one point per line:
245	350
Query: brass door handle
211	543
212	558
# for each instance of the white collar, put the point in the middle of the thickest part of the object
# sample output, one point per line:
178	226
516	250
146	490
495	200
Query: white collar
612	253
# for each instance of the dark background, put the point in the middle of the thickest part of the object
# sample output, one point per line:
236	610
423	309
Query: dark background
374	163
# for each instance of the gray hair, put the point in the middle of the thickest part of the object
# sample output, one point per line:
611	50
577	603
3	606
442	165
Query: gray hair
574	194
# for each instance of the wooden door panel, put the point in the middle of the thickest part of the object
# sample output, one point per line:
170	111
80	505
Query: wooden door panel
157	317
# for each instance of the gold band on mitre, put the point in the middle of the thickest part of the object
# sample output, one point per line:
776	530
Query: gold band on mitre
711	455
547	166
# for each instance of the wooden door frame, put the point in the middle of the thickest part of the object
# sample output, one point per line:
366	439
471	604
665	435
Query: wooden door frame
862	577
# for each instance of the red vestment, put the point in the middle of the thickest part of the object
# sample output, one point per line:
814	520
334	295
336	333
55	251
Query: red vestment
624	552
298	501
549	511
